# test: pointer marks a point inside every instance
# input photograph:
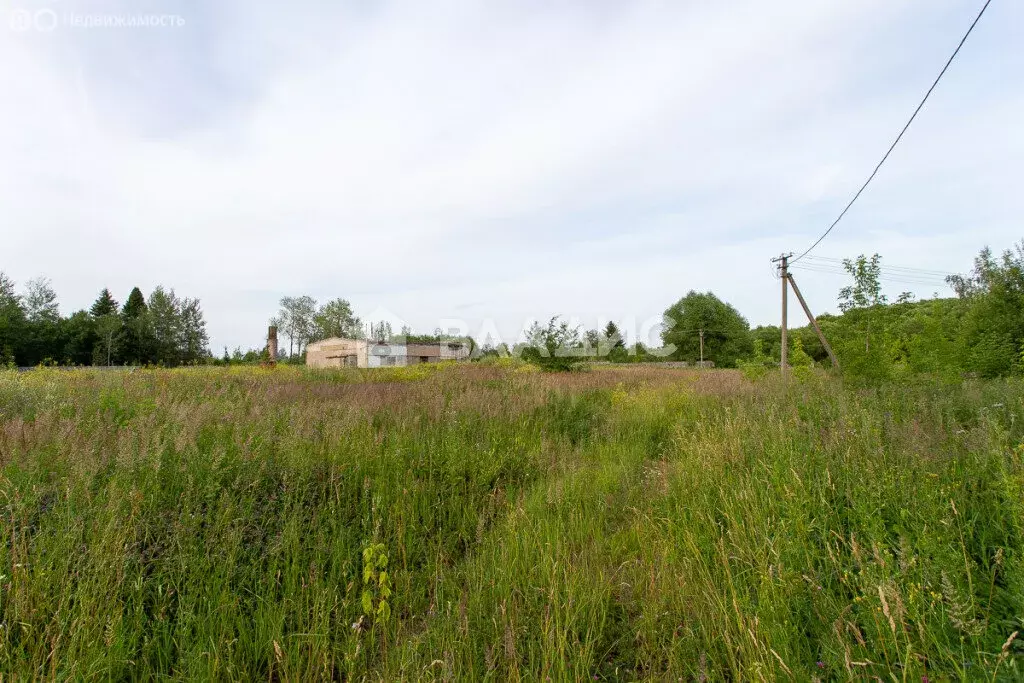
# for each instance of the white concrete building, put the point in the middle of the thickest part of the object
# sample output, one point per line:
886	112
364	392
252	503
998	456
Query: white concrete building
363	353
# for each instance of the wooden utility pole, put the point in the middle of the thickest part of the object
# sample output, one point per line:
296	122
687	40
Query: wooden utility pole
787	282
814	323
701	347
783	261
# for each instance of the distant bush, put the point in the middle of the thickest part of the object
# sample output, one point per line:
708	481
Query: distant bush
556	347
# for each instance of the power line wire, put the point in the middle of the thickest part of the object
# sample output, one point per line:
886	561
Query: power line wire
882	271
821	268
898	137
894	269
836	268
885	266
884	277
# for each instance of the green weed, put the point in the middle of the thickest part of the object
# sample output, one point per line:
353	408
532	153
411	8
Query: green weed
484	523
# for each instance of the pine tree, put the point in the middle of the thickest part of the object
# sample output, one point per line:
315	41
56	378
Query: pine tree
135	343
135	307
615	346
105	304
613	335
108	328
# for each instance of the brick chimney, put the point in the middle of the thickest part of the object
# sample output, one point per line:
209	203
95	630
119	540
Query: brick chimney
272	343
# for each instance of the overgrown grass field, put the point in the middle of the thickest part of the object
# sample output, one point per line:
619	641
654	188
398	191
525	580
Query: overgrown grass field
487	523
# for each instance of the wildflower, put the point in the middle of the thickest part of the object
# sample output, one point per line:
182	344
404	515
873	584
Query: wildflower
821	664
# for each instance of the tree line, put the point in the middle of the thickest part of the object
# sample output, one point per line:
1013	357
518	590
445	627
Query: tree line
979	331
161	330
301	321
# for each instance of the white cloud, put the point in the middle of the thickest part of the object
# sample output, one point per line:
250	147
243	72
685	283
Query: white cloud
500	160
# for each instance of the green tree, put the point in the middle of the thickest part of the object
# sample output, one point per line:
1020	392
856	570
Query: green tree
13	326
80	338
105	304
194	341
107	327
164	312
44	342
613	336
135	306
336	319
612	344
726	332
108	334
41	301
797	356
554	347
865	293
499	350
930	334
381	331
993	327
295	321
134	342
593	343
769	337
866	290
641	354
864	321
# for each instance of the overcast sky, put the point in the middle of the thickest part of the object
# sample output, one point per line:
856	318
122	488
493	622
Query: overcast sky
498	160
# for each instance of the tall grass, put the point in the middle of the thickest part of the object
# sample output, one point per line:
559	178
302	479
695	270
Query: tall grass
617	524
